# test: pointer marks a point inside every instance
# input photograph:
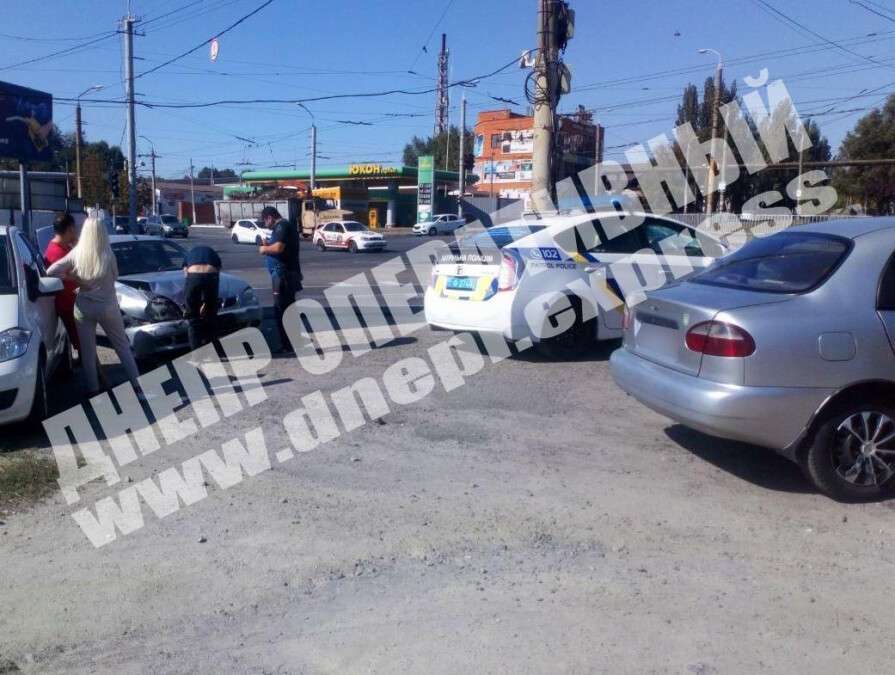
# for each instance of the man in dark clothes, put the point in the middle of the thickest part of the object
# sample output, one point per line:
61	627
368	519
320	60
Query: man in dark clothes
285	269
202	267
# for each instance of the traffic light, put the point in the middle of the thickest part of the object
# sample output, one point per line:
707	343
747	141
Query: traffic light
112	178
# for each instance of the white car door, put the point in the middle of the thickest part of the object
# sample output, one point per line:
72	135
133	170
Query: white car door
40	310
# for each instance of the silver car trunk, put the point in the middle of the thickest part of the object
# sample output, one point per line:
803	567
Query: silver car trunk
661	322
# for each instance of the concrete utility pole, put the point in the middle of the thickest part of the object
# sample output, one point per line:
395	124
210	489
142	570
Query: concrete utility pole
716	122
554	29
152	157
79	136
442	100
131	125
462	188
192	192
313	158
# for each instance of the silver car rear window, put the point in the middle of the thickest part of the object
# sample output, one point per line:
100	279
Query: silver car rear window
789	262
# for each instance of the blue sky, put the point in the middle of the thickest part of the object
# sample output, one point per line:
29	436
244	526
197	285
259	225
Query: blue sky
298	48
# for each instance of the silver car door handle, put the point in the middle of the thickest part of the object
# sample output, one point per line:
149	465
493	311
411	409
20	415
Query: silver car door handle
593	268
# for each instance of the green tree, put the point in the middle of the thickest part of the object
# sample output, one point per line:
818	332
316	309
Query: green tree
437	147
220	175
872	138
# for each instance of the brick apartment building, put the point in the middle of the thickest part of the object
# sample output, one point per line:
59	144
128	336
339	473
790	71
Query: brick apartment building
504	143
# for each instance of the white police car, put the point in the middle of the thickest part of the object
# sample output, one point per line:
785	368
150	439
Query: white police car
560	280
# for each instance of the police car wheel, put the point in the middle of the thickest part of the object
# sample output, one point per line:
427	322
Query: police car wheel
320	245
432	231
573	341
352	247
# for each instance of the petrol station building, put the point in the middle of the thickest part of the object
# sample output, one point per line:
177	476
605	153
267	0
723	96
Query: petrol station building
378	195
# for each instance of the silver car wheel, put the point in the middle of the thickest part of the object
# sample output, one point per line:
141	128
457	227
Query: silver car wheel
864	449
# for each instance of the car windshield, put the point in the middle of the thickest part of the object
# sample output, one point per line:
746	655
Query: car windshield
354	227
6	285
170	220
121	220
143	257
790	262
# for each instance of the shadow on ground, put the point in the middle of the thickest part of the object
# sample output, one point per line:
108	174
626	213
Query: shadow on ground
599	351
760	466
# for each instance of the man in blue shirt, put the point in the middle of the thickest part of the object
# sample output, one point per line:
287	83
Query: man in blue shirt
202	266
283	264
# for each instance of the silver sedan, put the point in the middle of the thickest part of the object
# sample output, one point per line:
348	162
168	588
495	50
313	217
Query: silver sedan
151	286
787	343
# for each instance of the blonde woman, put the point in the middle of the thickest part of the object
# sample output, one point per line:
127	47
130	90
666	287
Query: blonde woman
91	265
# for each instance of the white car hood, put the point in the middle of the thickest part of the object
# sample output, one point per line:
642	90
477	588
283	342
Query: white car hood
9	311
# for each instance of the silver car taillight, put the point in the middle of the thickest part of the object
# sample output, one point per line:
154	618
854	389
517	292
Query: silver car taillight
717	338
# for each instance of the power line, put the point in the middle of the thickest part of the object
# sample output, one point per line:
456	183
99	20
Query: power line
425	46
873	11
468	82
62	52
800	27
208	41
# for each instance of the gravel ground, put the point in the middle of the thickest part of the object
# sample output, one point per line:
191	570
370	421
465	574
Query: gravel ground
534	520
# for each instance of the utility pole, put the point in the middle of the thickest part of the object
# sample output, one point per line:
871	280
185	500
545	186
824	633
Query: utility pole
131	125
462	189
192	192
78	148
716	121
442	100
79	137
313	158
152	157
555	27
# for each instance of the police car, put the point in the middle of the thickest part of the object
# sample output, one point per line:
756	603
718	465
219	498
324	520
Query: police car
560	281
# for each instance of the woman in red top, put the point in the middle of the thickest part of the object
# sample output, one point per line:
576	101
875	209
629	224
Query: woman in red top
64	240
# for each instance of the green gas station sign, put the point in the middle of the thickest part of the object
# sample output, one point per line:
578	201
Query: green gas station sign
425	188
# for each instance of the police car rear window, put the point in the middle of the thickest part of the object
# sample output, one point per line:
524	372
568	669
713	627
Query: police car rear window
483	247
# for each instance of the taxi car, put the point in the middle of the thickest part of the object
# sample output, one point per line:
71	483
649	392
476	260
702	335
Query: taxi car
348	235
521	279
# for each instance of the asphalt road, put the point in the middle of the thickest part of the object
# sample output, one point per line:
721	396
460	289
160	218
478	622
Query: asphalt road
321	269
531	519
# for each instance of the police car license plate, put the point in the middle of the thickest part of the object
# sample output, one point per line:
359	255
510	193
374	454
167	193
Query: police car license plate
462	283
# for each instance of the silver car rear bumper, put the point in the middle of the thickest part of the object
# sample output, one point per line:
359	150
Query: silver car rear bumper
774	417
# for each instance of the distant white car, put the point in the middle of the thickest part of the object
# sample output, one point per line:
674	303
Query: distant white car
508	279
249	231
33	342
348	235
444	223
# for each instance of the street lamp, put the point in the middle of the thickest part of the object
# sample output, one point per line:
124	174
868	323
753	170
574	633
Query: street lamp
313	148
716	114
152	157
95	87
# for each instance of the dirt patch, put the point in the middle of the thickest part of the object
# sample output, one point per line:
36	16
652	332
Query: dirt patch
24	479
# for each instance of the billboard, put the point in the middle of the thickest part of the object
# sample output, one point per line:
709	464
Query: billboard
26	121
505	171
425	188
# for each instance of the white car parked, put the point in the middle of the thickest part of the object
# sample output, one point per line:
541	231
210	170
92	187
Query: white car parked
519	280
33	342
249	231
444	223
348	235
